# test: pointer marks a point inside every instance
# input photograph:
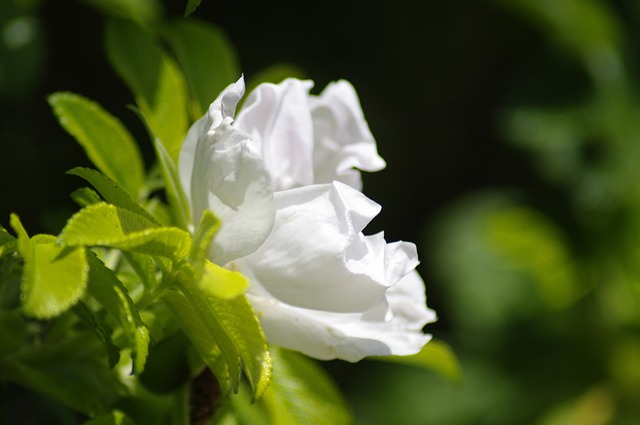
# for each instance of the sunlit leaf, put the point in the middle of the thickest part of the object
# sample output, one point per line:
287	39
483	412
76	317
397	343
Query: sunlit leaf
221	282
105	140
155	80
7	243
111	191
207	228
107	289
435	355
54	276
212	279
302	393
206	57
109	226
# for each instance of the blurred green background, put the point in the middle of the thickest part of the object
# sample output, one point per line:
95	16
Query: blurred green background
511	130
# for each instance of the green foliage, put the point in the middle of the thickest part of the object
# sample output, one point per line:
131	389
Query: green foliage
111	192
225	329
13	331
207	58
155	80
105	140
213	279
300	393
109	226
101	329
167	367
175	193
105	287
7	243
68	369
46	262
204	233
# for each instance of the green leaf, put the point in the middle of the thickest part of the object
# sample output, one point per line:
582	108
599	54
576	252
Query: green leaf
105	140
144	266
11	268
111	191
204	233
80	385
203	339
175	193
211	278
207	58
114	418
109	226
167	367
220	282
435	355
85	196
105	287
13	331
302	393
8	243
191	7
54	277
234	327
159	210
23	241
102	331
155	80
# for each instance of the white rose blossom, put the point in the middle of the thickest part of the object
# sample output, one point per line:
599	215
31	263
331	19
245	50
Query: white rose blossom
283	178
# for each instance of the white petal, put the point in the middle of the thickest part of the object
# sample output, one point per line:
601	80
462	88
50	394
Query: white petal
316	256
221	169
343	141
224	106
278	117
351	337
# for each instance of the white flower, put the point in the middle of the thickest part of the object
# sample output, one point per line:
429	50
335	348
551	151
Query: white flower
283	177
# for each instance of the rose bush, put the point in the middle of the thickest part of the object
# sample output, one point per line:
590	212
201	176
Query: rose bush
284	179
